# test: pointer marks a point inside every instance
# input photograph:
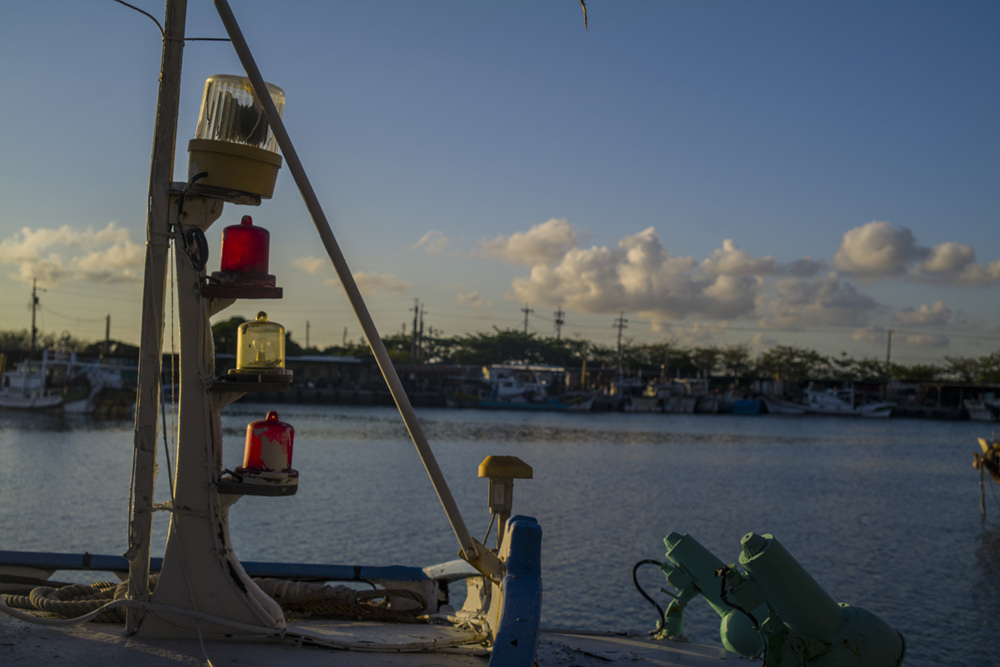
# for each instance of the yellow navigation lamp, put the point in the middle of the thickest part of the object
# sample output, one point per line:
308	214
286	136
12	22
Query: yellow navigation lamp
260	349
234	145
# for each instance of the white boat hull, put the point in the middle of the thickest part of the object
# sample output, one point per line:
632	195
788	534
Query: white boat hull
44	402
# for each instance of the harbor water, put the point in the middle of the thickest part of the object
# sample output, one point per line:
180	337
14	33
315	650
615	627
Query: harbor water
885	514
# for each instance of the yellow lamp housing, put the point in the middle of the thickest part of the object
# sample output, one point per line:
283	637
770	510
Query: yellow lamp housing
260	349
234	145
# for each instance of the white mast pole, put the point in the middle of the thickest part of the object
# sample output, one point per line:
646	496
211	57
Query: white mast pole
154	281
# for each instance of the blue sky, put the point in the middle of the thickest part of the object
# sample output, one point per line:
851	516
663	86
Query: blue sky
720	172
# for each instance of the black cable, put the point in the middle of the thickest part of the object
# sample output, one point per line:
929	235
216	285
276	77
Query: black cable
186	39
659	622
721	574
151	17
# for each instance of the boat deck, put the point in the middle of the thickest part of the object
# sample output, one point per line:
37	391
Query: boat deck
24	643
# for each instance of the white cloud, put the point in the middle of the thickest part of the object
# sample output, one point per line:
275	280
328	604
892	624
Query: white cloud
433	243
313	265
877	250
826	301
541	244
948	258
732	261
762	341
869	335
926	340
473	299
370	282
933	315
55	255
955	264
638	275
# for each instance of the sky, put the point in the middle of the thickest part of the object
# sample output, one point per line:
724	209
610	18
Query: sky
714	173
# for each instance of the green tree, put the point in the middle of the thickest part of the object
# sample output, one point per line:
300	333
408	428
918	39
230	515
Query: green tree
736	361
224	334
963	369
916	372
706	359
792	363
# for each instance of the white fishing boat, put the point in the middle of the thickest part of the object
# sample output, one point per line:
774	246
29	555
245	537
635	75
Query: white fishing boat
206	605
830	402
980	410
522	387
33	385
60	381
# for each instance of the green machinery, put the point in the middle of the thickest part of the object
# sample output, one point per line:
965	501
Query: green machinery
774	610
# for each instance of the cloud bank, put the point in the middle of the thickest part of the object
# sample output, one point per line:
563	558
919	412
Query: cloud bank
639	274
54	256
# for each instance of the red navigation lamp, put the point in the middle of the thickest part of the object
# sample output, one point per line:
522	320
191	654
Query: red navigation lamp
267	457
245	250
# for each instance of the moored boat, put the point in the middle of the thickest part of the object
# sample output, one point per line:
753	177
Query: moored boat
30	386
61	381
830	402
521	387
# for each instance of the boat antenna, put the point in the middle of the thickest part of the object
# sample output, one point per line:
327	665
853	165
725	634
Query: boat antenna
471	552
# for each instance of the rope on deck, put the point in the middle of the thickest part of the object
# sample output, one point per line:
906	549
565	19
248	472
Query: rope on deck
297	599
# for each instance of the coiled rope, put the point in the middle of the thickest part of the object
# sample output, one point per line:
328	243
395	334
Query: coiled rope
297	599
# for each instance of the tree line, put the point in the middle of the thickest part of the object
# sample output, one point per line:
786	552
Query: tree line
648	360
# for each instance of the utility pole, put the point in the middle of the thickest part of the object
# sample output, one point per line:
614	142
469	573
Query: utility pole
416	319
526	312
559	322
107	335
307	334
888	361
420	338
621	323
34	307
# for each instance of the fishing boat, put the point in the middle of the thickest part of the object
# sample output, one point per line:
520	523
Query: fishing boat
61	381
33	385
204	602
521	387
830	402
980	410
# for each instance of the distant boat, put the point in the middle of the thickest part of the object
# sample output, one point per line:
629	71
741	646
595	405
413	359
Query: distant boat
31	385
58	381
521	387
779	406
979	410
829	402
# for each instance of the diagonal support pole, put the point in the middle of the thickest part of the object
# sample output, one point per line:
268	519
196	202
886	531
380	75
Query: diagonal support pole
470	551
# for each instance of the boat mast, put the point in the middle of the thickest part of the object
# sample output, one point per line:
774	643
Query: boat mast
154	285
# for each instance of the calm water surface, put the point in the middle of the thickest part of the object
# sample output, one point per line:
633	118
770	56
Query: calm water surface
883	513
